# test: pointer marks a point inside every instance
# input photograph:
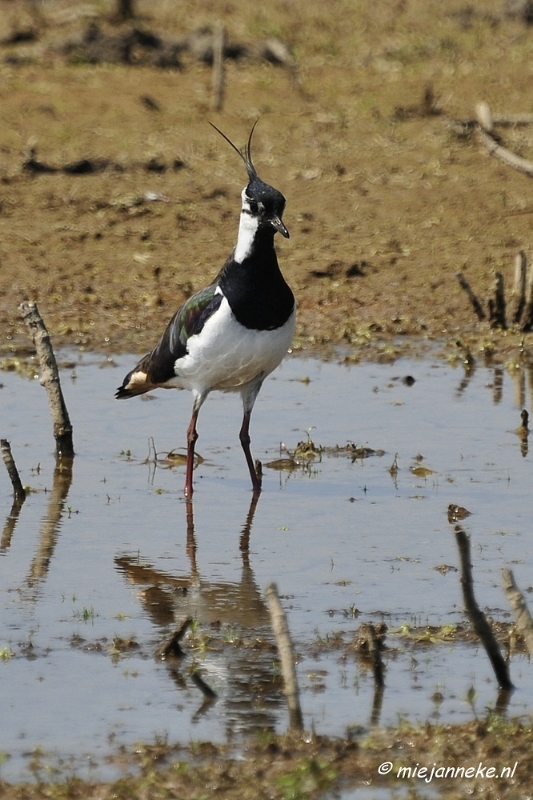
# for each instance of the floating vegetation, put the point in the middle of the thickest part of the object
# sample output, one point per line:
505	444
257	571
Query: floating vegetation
308	451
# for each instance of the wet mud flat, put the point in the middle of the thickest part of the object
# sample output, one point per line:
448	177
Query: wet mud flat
99	566
117	202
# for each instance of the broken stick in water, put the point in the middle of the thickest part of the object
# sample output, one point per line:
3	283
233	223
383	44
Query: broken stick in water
476	615
171	646
12	471
524	622
50	379
283	641
370	643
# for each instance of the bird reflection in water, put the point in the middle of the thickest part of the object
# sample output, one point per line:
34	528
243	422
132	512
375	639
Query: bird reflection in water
232	643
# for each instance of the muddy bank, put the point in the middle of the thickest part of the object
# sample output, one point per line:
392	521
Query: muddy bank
282	767
117	200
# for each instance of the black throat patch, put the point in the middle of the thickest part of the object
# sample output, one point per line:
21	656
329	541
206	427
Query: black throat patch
256	291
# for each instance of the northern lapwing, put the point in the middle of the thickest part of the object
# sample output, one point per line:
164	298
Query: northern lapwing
232	334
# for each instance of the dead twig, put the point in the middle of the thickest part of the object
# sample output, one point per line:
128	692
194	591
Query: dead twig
170	648
50	379
504	154
521	314
283	640
489	140
526	322
484	117
12	471
476	305
514	120
476	615
515	598
219	45
370	643
519	286
497	305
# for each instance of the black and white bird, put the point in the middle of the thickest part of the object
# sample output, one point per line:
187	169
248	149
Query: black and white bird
232	334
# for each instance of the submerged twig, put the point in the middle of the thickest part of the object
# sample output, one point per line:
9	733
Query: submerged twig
12	471
524	621
50	379
19	495
476	615
170	648
283	640
370	642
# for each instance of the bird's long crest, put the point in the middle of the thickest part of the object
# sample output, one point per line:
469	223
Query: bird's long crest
246	153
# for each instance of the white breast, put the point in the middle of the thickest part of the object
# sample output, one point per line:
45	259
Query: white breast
225	355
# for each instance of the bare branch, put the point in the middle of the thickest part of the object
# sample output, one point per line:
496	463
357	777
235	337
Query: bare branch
50	379
283	640
504	154
476	615
497	306
524	622
171	648
526	323
484	117
12	471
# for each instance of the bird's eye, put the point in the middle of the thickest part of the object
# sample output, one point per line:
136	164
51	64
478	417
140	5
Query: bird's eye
254	208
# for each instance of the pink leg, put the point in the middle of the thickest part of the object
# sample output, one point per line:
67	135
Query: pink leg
244	436
192	436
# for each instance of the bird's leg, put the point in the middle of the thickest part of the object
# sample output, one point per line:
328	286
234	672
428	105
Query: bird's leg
244	436
192	436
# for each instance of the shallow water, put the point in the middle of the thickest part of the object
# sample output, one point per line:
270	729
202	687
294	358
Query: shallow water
115	551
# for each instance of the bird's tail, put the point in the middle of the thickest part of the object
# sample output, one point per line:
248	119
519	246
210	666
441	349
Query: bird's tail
136	382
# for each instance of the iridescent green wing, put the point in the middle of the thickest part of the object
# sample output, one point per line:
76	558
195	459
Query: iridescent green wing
188	321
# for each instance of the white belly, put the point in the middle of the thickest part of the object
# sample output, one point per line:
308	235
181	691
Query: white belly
227	356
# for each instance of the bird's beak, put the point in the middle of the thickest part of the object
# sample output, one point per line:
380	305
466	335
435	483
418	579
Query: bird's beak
279	226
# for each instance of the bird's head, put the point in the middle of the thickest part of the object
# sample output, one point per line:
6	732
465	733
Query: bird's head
260	202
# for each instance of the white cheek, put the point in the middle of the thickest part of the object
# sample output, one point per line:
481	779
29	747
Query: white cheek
247	229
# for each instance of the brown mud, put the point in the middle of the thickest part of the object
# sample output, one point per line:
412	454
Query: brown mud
117	200
292	768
